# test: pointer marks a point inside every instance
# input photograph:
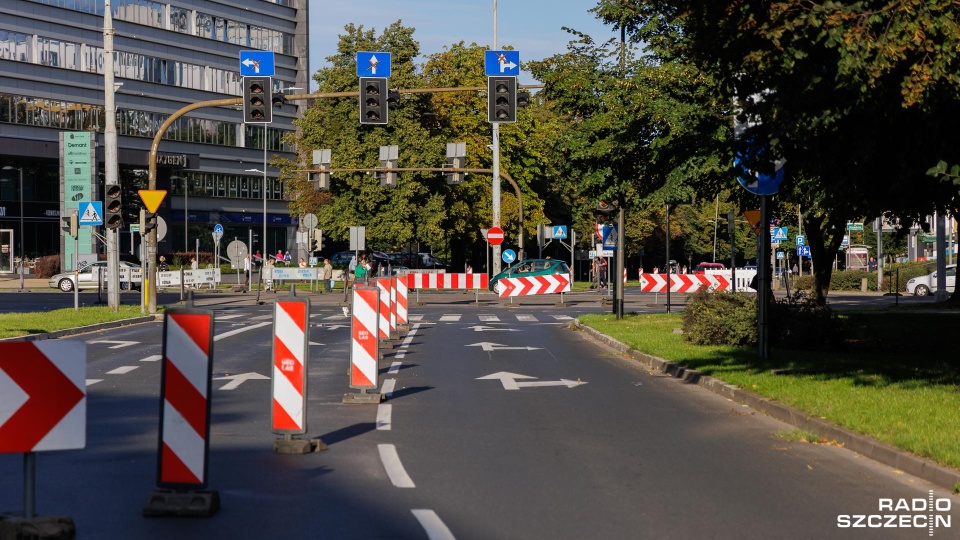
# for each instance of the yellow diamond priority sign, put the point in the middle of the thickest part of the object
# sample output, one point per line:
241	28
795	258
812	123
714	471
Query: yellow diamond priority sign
152	198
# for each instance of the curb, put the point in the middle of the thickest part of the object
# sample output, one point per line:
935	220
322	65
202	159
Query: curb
85	329
862	444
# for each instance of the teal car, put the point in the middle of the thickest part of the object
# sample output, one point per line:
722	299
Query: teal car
532	267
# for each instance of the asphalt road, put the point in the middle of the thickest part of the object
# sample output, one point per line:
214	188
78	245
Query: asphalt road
596	447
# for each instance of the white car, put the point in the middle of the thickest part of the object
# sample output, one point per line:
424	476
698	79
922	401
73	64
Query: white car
89	277
924	285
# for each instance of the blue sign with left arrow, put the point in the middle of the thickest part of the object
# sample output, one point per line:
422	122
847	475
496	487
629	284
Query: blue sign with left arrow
257	64
497	63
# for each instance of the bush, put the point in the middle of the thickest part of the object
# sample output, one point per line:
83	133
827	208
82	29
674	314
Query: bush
47	267
799	323
720	318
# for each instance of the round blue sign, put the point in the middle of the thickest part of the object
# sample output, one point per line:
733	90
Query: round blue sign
761	184
218	228
508	256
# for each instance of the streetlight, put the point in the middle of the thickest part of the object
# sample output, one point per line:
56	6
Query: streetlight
22	257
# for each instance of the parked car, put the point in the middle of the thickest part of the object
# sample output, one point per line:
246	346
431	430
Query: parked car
532	267
89	277
341	257
924	285
704	267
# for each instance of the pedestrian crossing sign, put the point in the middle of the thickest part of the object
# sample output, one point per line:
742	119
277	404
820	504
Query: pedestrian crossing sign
779	234
91	213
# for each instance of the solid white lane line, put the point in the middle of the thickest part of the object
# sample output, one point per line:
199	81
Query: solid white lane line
387	388
384	415
394	368
91	382
240	330
122	370
230	316
432	525
152	358
391	463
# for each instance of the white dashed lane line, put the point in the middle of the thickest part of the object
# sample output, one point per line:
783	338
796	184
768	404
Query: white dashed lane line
432	525
122	370
384	414
387	388
152	358
393	466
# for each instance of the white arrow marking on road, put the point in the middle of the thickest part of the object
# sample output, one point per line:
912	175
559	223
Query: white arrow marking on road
481	328
509	381
487	346
119	344
237	380
505	65
218	337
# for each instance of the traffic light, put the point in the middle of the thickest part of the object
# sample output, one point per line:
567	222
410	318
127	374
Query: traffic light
257	100
278	101
70	225
316	244
502	99
112	218
148	221
393	99
321	176
523	98
373	100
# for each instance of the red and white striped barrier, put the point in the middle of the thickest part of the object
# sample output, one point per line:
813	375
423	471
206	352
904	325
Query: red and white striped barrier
402	300
185	398
447	281
364	350
683	283
383	285
525	286
393	305
291	346
43	405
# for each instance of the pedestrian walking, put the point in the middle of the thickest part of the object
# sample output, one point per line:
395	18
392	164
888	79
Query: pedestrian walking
162	266
246	270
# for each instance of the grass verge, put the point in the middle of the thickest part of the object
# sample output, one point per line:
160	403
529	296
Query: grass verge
897	379
22	324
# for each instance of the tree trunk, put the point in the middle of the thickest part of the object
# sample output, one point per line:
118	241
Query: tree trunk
823	250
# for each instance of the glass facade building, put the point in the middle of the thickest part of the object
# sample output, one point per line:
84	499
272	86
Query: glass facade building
167	55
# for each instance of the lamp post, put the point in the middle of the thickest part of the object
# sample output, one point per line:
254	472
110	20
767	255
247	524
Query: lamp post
22	256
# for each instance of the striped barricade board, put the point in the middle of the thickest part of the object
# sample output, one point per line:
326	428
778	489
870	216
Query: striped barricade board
291	349
526	286
447	281
684	283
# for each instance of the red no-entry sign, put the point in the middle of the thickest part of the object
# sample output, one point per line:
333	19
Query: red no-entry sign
495	236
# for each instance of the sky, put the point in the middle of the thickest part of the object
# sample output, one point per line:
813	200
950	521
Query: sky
532	27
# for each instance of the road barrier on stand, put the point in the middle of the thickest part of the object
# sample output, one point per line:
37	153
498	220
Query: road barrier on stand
291	349
447	281
685	283
402	301
393	305
184	449
526	286
383	285
364	346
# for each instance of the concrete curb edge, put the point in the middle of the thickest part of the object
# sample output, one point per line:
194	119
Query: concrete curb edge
85	329
861	444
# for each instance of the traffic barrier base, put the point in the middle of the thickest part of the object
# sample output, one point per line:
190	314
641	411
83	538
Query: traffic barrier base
363	397
163	503
298	446
18	526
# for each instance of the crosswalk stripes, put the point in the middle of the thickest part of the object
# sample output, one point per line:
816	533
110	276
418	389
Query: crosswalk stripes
444	318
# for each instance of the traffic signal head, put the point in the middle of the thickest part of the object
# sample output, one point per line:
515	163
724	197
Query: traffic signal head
502	99
148	221
70	224
257	100
393	99
373	100
112	216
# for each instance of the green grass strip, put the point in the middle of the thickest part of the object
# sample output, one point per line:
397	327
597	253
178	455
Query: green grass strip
22	324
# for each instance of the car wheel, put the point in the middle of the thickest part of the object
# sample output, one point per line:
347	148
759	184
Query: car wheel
65	285
124	286
921	290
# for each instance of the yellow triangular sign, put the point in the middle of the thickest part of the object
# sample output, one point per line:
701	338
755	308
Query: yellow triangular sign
152	198
753	217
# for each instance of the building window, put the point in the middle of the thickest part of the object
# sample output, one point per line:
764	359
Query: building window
179	20
14	46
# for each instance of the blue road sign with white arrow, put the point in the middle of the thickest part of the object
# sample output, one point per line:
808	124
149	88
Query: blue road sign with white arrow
91	213
373	64
559	231
508	256
497	63
803	251
257	64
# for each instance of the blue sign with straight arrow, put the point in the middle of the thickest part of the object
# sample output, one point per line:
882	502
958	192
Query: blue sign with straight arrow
373	64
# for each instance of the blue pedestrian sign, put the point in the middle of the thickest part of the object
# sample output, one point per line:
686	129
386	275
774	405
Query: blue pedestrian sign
91	213
498	63
803	251
559	231
780	255
373	64
609	237
508	256
779	234
257	64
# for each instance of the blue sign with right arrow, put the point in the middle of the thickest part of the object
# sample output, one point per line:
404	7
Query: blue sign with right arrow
497	63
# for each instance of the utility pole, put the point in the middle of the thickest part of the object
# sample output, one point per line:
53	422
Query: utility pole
110	155
495	192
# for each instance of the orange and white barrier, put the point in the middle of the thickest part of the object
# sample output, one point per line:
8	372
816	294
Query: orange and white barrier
185	398
401	300
383	285
683	283
525	286
447	281
364	350
393	305
291	346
